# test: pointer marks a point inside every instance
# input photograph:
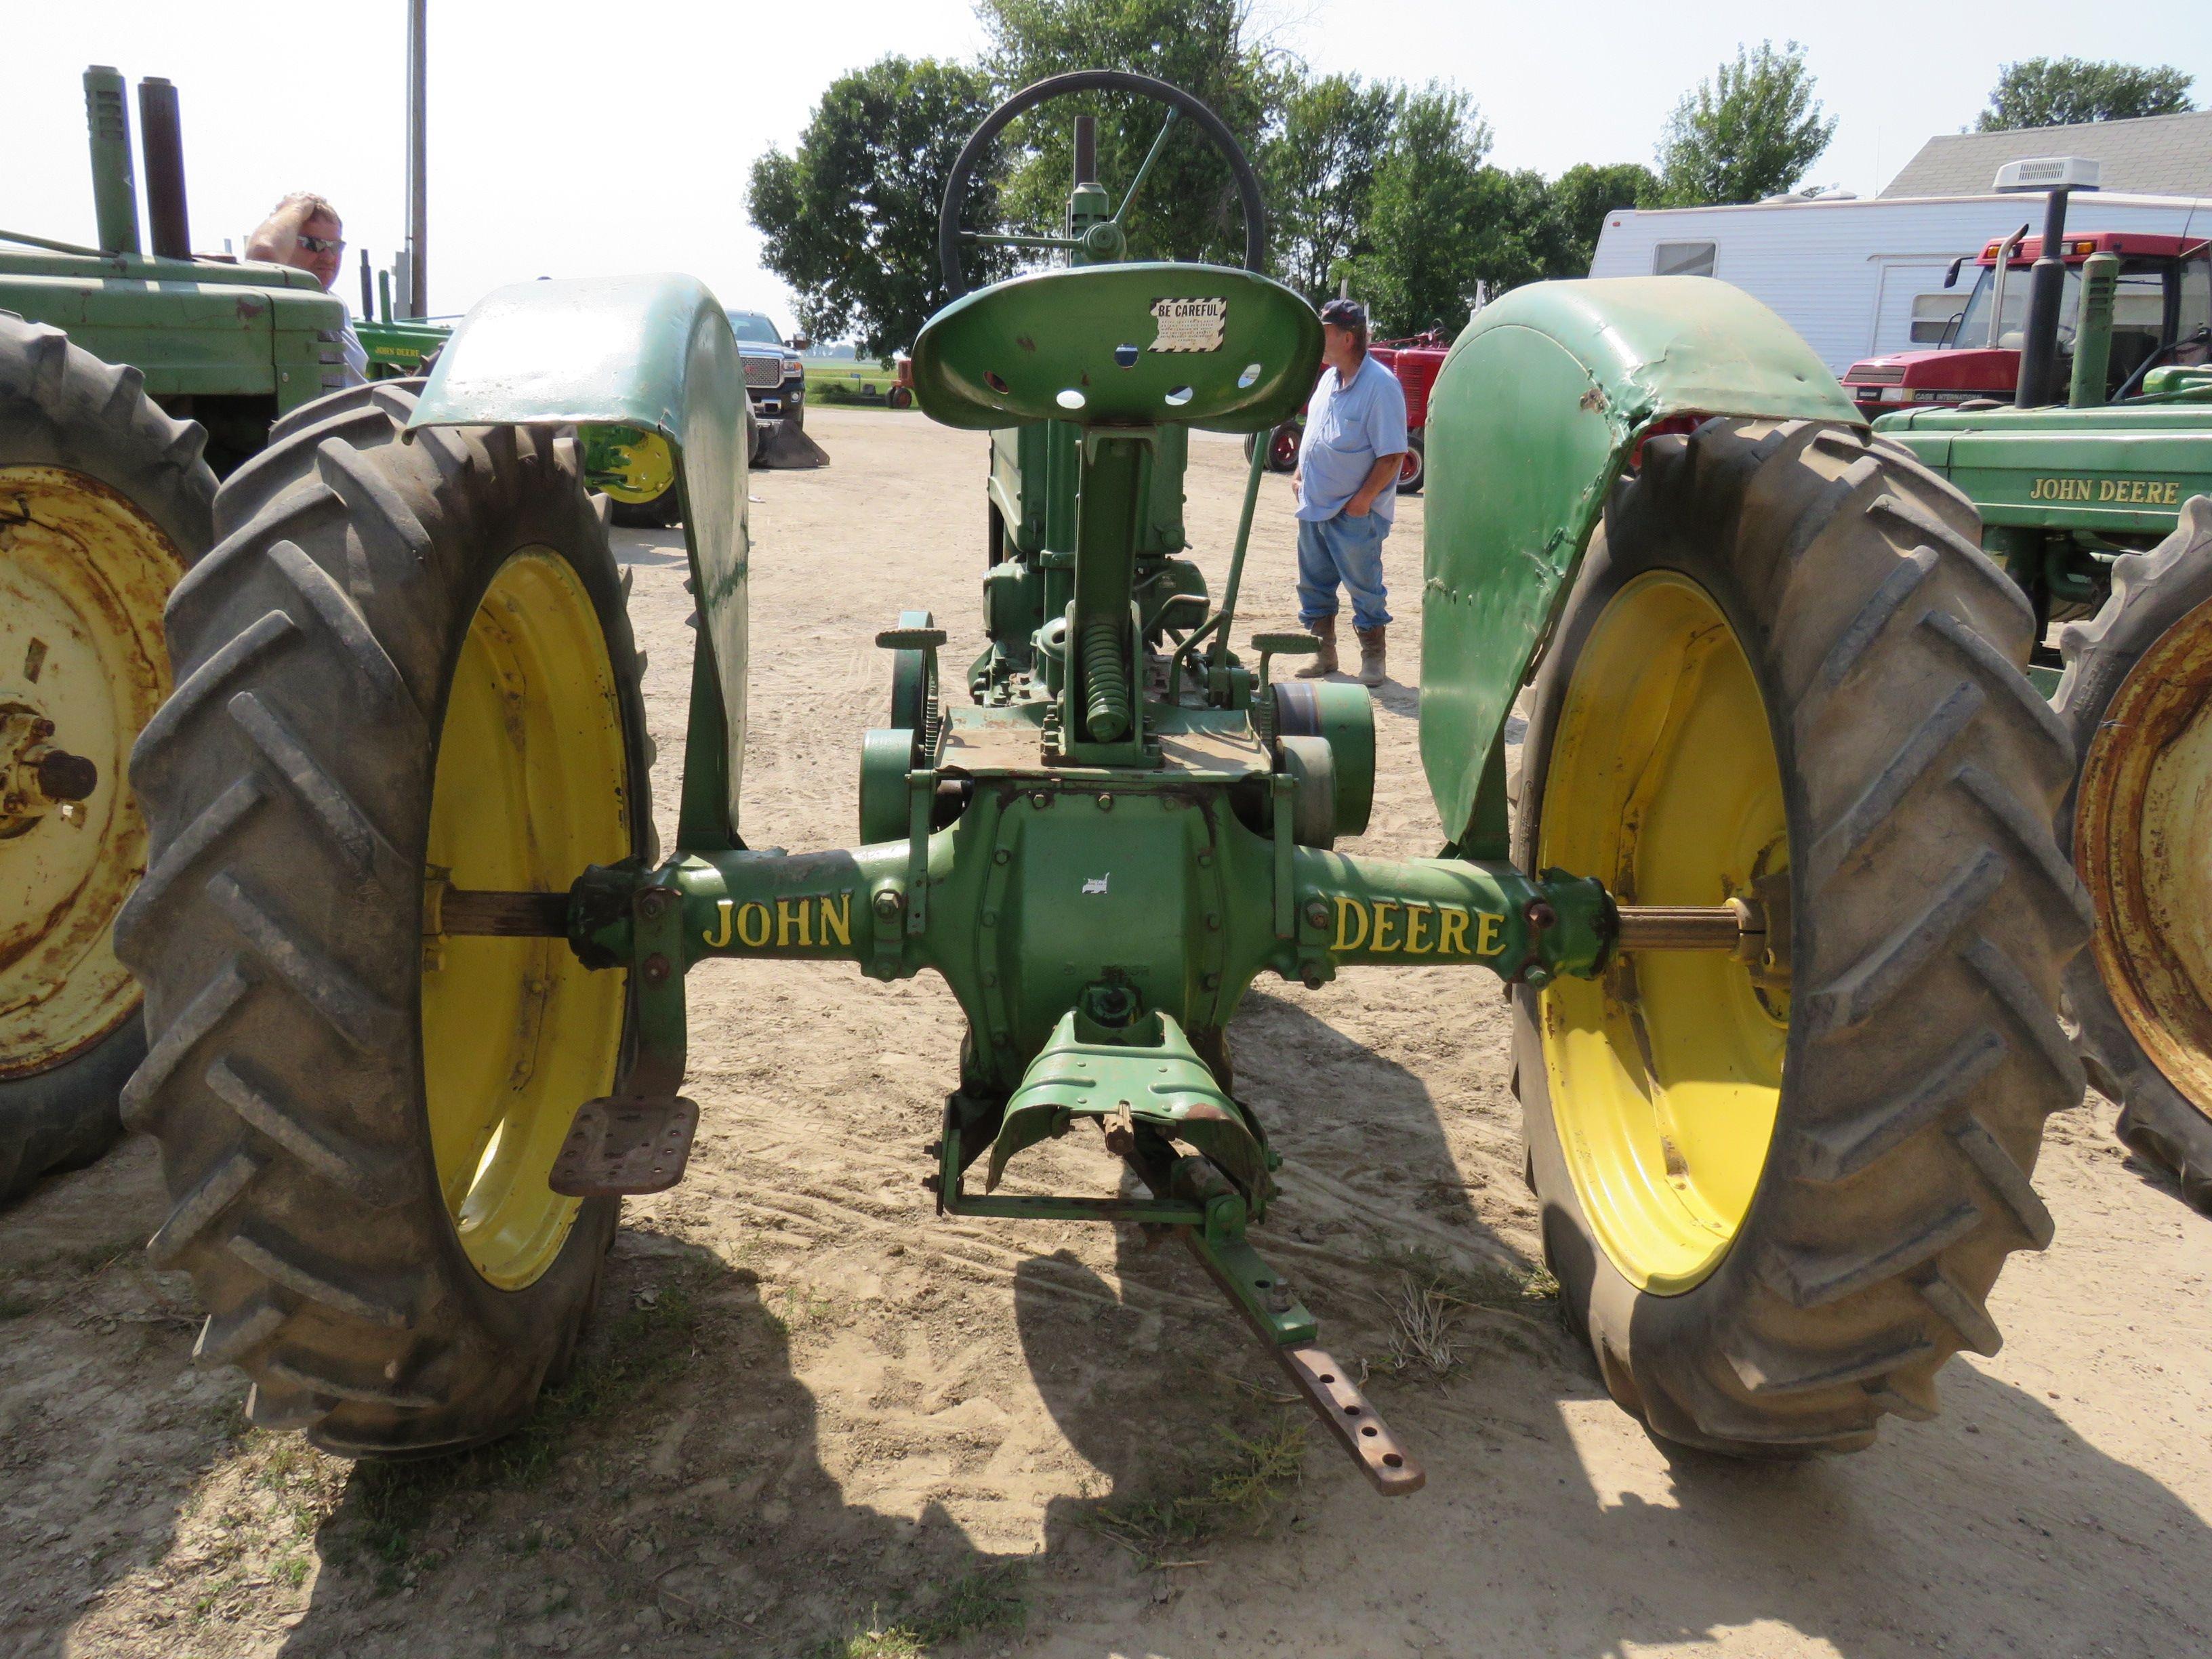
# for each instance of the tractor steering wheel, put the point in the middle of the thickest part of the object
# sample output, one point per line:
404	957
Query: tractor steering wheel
1179	102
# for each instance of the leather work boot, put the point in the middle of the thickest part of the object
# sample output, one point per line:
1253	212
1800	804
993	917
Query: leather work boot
1373	669
1324	664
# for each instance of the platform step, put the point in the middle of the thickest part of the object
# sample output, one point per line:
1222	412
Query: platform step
625	1145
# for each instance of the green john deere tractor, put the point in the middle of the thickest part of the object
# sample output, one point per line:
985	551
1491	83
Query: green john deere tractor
1786	1003
2099	512
124	377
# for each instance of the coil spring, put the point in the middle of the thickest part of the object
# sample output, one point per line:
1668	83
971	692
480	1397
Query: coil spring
1106	683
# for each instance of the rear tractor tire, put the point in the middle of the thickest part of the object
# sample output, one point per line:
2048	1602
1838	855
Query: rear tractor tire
1776	1192
404	666
105	501
2138	697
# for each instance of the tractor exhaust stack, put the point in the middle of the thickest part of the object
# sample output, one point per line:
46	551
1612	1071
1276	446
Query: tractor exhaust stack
161	133
2038	351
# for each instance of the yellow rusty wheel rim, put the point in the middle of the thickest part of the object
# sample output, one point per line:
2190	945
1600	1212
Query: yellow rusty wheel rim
648	469
83	576
2142	842
531	786
1664	1075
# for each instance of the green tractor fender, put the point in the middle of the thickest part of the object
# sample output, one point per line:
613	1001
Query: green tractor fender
1535	413
654	353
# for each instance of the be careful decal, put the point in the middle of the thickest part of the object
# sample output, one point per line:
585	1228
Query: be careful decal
1189	325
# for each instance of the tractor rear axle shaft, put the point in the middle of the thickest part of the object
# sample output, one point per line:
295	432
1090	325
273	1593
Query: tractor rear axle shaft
1737	927
503	915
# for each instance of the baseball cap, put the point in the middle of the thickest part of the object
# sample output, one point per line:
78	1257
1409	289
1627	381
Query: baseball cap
1345	313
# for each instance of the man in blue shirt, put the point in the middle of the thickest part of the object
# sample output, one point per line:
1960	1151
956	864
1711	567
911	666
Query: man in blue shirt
1346	486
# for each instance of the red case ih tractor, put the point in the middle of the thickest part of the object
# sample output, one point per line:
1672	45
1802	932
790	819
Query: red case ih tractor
2164	298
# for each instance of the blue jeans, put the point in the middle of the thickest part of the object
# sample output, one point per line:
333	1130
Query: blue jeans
1342	549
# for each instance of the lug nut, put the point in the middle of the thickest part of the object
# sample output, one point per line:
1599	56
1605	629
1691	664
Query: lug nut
888	903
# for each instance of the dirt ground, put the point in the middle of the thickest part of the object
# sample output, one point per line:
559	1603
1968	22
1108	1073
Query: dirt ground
817	1421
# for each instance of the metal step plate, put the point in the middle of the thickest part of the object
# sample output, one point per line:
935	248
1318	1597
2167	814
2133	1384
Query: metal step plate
625	1145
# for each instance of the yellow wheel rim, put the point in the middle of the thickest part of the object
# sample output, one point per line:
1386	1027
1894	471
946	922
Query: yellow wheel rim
83	665
647	468
532	786
1665	1074
2142	842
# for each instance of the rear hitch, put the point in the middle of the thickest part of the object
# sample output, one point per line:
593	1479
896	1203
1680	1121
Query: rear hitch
1145	1099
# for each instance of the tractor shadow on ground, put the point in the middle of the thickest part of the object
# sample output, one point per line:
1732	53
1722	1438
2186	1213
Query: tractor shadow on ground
670	1495
106	1426
1996	1528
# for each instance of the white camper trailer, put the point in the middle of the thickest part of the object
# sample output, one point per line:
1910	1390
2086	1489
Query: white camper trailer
1859	278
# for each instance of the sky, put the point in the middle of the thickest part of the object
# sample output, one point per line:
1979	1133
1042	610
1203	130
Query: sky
575	139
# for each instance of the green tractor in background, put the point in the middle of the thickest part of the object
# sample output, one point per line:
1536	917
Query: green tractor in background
129	381
2099	512
1784	946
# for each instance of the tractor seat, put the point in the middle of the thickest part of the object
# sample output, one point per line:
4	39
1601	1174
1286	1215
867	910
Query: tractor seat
1121	345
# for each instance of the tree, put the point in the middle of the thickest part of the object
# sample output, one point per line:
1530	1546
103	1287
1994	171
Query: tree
1581	199
2058	92
850	218
1430	199
1188	207
1749	132
1318	173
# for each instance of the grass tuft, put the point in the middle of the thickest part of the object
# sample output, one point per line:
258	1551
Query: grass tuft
987	1600
1238	1491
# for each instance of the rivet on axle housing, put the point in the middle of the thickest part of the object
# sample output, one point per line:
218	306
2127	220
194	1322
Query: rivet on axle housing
1105	803
1041	798
1004	855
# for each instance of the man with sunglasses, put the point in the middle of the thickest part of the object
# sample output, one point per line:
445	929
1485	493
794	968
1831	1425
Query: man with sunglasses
305	232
